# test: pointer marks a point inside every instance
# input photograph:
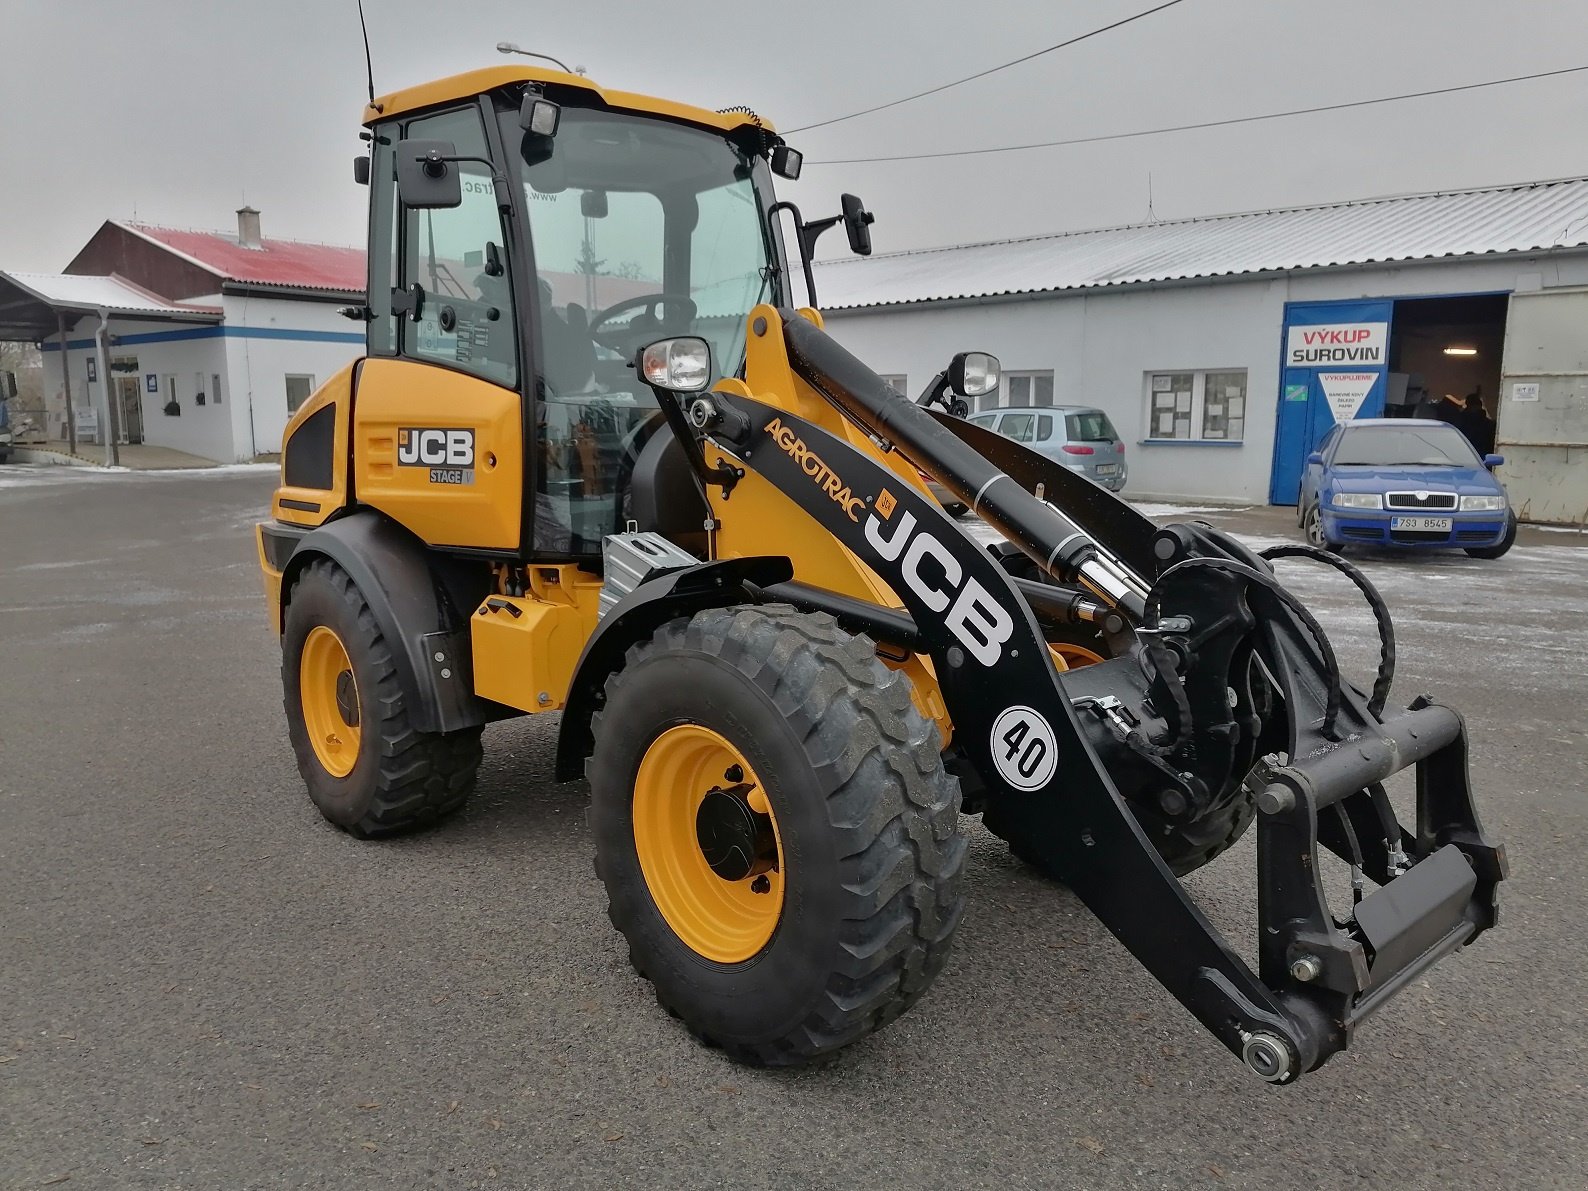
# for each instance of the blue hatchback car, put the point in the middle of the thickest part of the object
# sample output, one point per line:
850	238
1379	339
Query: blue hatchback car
1404	482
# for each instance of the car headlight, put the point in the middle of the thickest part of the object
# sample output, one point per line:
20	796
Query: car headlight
1358	500
1482	504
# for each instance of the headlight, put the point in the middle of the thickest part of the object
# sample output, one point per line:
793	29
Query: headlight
1482	504
677	365
1358	500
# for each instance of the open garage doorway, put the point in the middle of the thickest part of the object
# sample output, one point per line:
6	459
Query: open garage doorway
1443	354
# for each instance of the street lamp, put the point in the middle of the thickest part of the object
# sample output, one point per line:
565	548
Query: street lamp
508	47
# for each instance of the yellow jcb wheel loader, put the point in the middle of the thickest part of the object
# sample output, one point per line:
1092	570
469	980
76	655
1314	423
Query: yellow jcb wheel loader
596	462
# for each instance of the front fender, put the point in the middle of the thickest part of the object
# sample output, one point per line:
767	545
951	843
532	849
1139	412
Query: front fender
638	615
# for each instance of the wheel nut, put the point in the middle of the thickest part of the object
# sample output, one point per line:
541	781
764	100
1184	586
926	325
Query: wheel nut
1306	967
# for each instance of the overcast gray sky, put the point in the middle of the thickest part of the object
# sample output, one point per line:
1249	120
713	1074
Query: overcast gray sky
179	110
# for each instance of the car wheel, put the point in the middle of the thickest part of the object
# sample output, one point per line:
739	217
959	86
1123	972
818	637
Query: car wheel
1505	543
1312	527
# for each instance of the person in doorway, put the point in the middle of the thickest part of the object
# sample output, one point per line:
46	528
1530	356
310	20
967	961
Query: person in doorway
1474	422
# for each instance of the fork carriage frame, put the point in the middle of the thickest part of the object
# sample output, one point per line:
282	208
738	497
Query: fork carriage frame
1231	683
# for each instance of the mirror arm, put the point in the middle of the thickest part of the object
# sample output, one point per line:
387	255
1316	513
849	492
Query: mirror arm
805	246
499	181
935	391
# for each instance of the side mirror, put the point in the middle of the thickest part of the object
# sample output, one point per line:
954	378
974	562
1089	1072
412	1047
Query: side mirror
426	180
973	374
680	365
857	222
1493	461
1315	457
361	169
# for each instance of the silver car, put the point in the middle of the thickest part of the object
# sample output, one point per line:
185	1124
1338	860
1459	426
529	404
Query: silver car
1078	437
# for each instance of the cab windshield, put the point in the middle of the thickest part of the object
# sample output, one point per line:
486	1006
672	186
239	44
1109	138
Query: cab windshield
641	229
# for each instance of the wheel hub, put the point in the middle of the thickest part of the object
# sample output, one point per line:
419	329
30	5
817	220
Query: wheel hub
735	839
706	839
347	698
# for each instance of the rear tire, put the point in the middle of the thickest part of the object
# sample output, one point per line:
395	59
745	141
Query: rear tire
869	856
1505	543
367	768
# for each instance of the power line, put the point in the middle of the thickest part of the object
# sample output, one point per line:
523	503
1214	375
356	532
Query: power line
1123	136
981	74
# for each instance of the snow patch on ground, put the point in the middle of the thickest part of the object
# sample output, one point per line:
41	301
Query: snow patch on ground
39	475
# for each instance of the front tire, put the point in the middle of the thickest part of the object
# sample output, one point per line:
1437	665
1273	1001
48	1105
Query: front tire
775	830
1504	545
1312	529
367	768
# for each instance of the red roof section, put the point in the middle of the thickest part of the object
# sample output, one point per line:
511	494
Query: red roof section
288	263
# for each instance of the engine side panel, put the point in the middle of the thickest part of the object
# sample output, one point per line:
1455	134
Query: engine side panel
314	454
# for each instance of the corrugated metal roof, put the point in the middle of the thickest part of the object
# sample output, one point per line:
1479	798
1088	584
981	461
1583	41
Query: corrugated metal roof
116	294
290	264
1523	218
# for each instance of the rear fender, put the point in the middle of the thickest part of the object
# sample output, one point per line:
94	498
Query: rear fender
421	605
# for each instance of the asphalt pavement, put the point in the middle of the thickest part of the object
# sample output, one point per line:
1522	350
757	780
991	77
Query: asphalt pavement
203	985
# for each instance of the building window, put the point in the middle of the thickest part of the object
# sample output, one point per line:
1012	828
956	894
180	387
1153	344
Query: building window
298	390
1197	406
1027	388
899	382
173	407
215	388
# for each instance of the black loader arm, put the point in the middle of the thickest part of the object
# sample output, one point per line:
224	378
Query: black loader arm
1231	690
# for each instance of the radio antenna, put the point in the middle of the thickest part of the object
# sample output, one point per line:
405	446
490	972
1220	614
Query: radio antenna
369	70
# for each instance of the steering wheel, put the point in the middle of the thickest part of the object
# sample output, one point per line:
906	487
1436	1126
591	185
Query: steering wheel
657	312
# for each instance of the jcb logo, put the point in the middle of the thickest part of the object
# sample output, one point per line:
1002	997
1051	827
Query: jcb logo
435	448
933	573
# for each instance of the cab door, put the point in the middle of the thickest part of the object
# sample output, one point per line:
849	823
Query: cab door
438	428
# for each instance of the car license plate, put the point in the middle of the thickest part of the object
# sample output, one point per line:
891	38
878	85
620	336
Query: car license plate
1108	469
1424	524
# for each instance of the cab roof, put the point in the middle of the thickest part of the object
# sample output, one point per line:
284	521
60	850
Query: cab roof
490	78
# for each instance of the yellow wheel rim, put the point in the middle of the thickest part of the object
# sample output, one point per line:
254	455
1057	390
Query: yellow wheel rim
1073	657
724	907
329	696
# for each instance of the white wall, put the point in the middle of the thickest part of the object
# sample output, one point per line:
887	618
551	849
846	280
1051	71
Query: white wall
204	430
259	363
1102	344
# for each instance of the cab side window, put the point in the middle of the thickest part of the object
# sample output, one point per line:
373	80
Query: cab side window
456	257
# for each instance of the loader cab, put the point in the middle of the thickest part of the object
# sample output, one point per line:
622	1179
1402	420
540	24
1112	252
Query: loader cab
522	298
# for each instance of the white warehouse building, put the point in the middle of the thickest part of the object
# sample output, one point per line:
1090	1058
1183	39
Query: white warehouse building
210	339
1224	348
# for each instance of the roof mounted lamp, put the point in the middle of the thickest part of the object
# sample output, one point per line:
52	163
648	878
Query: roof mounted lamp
508	47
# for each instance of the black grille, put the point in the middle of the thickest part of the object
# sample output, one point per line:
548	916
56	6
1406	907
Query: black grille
1422	500
1419	535
1475	535
1361	534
